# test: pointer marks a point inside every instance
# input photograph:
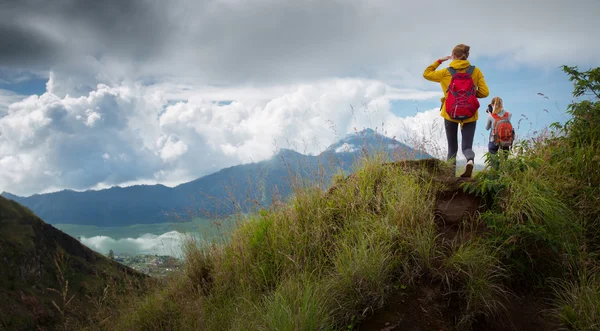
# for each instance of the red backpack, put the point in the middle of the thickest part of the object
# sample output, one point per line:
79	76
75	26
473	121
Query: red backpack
461	99
503	134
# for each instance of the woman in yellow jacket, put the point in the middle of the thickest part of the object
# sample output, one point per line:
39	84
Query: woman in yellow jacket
459	63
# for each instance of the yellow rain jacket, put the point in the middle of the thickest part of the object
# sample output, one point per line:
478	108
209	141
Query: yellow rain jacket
443	77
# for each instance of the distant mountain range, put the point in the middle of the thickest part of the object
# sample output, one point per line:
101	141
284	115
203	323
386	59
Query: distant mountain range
233	189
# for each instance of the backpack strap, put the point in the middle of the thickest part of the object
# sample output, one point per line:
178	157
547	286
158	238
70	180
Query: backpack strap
470	70
496	117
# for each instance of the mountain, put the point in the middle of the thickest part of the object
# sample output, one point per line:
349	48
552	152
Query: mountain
73	207
371	141
237	188
38	259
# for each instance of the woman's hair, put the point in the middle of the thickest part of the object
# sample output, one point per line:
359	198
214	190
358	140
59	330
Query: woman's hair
461	52
497	105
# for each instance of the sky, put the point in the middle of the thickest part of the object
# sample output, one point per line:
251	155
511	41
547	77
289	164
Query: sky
95	94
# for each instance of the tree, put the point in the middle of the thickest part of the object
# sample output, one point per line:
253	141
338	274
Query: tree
583	128
111	254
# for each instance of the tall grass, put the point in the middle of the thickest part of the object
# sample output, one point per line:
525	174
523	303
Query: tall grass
316	262
327	258
578	301
546	207
531	221
479	277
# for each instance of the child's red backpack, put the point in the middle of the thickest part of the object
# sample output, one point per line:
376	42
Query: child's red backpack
461	99
503	134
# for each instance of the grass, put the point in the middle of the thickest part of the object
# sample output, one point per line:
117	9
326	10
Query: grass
480	276
326	259
577	302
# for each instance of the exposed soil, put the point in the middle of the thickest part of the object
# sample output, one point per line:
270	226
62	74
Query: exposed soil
456	212
525	313
455	206
422	308
426	308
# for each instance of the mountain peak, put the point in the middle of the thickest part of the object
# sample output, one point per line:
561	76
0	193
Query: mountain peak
354	141
9	195
367	130
286	152
364	132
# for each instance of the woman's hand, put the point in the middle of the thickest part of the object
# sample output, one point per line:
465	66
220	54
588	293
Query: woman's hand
445	58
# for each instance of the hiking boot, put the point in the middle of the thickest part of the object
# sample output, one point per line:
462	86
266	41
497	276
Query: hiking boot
468	169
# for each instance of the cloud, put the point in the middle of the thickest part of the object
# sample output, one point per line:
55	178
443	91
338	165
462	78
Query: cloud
132	133
171	147
247	130
278	42
7	98
47	141
347	148
24	45
50	32
169	243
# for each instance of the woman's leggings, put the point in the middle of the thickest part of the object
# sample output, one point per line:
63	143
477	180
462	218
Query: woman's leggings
467	133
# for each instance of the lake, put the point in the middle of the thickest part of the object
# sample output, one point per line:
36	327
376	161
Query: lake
160	238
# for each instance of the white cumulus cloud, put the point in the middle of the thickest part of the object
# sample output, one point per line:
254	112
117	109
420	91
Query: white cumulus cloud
133	133
6	99
171	148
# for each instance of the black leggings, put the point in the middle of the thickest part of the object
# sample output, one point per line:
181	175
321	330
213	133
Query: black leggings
467	133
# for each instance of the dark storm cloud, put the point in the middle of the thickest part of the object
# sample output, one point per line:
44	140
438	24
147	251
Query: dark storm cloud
24	46
54	32
284	41
134	27
285	38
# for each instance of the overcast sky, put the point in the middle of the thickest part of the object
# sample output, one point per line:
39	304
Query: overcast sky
102	93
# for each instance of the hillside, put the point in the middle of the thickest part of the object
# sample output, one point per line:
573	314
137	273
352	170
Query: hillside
238	188
406	245
402	233
39	263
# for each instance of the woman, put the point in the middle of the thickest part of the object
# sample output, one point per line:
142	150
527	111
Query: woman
496	107
460	64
